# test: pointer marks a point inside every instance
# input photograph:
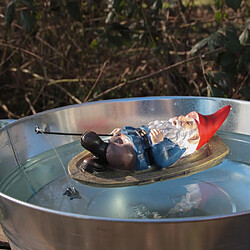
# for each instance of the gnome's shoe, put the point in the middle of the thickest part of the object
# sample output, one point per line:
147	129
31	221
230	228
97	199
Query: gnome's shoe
93	143
93	164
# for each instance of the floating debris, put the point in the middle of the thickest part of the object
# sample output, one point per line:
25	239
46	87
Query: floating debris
72	193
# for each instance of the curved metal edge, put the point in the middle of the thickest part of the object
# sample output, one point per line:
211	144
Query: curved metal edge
132	99
88	217
79	216
4	122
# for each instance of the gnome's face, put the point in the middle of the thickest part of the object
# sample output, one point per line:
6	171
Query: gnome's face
186	133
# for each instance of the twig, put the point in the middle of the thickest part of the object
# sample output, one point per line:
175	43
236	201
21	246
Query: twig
70	80
132	50
29	103
209	89
147	27
54	82
21	49
154	73
10	114
241	85
27	52
28	72
181	12
38	96
173	46
3	55
68	93
48	45
97	80
197	87
7	59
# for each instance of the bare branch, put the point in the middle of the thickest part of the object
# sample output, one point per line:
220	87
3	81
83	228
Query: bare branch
97	80
155	73
209	89
10	114
68	93
27	52
29	103
241	85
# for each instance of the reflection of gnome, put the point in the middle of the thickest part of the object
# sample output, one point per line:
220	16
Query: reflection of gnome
201	199
160	143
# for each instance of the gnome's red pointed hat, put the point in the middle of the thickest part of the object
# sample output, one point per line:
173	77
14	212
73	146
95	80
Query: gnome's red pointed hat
209	124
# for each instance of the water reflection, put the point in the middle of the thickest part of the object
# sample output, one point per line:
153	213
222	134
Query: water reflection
202	194
223	189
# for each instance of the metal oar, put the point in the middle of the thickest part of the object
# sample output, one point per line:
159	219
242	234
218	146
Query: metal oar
40	131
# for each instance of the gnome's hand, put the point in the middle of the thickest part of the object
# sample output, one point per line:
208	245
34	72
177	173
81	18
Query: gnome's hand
116	132
156	136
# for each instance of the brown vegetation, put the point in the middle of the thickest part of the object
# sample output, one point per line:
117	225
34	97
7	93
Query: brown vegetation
55	53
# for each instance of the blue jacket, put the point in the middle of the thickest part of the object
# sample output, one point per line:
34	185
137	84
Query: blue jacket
165	153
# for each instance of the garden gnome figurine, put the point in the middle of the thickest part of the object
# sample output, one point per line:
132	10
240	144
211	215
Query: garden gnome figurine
160	143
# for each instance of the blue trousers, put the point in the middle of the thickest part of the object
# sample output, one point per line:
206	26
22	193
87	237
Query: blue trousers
165	153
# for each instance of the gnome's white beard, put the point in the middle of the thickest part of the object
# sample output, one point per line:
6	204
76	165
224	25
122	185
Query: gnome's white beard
176	134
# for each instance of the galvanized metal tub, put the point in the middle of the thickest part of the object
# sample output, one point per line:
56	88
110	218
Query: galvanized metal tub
32	227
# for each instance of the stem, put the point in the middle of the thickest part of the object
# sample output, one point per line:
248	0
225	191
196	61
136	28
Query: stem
156	73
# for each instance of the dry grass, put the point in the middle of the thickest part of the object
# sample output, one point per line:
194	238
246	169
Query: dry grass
63	61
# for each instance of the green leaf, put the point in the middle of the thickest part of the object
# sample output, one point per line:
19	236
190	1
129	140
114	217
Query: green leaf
30	4
109	17
244	62
245	91
199	46
223	79
218	16
245	36
132	8
165	5
231	32
55	5
10	13
234	4
232	43
234	46
115	41
219	4
218	92
117	29
116	4
118	34
227	61
27	21
93	44
74	10
216	40
157	5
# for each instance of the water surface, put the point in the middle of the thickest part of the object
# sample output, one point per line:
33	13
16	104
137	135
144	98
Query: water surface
221	190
